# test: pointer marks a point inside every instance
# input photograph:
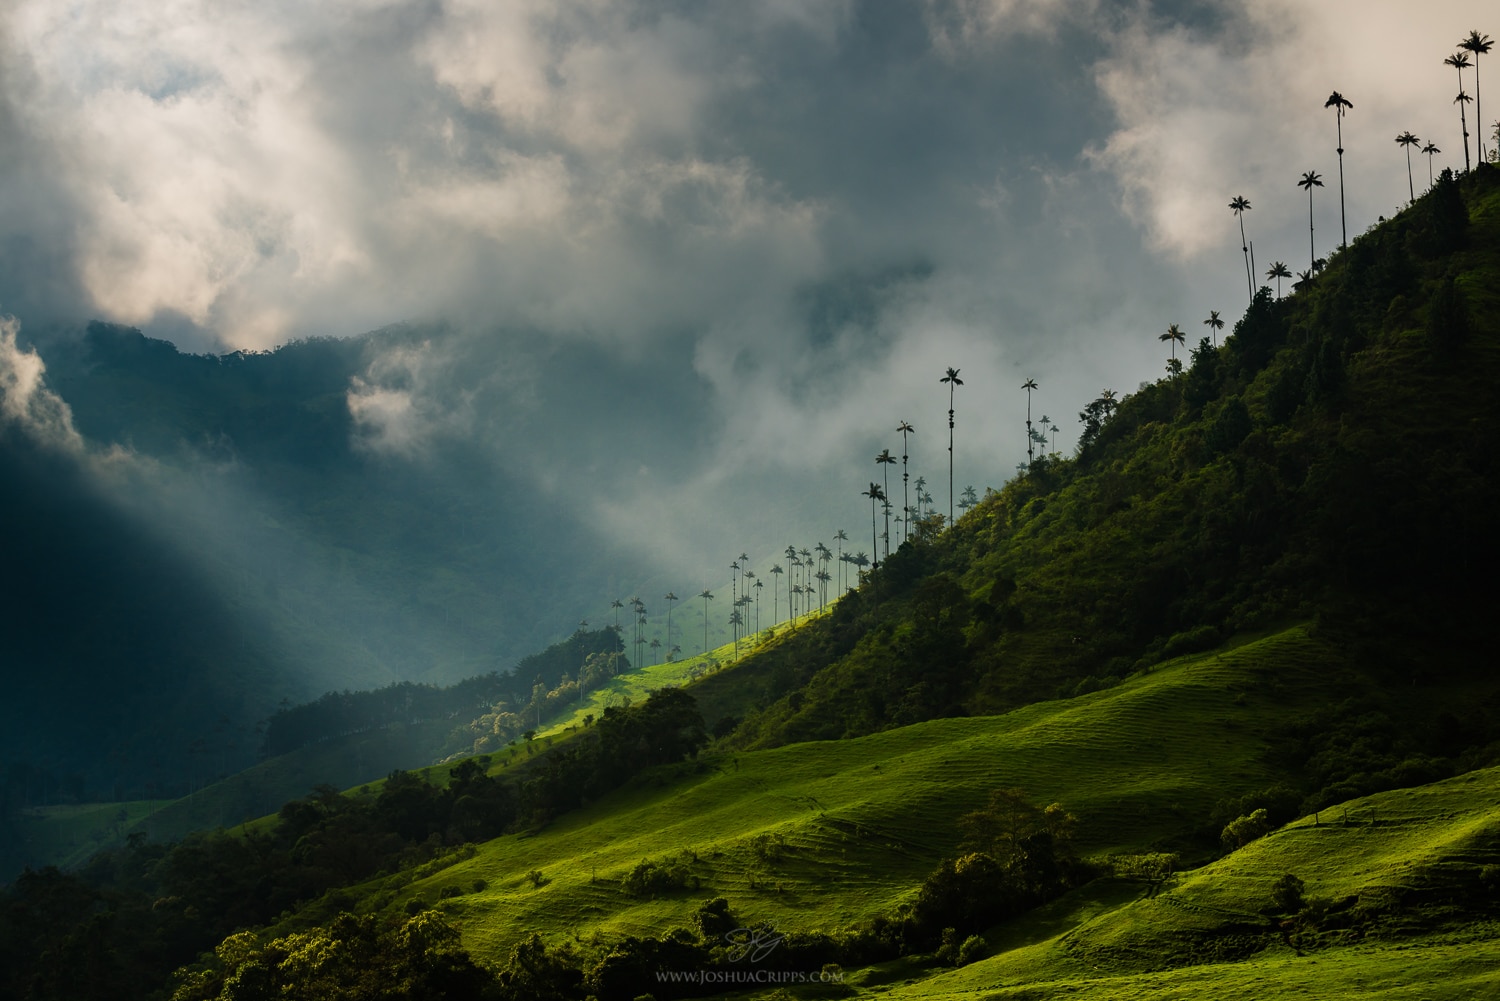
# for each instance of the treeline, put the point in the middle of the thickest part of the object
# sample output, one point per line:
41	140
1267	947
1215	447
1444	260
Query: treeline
131	916
1336	461
338	713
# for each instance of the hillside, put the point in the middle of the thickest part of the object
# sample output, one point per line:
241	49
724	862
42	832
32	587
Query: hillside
1072	744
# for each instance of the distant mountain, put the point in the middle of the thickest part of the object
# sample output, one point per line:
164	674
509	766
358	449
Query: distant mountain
229	541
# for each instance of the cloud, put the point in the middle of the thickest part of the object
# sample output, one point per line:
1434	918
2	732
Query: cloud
25	400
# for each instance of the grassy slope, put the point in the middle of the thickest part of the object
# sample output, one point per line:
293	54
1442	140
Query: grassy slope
863	821
67	835
1394	850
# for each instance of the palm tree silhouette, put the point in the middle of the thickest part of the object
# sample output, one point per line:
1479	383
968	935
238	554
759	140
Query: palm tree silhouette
1303	278
1278	270
1408	140
617	604
1241	205
1338	103
903	429
875	495
840	538
669	597
1214	324
1479	45
776	593
1460	62
1430	149
655	646
707	596
1461	100
1176	337
885	458
1309	181
953	382
1029	385
760	586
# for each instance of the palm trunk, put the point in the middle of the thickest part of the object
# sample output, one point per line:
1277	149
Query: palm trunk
1463	119
1312	253
1410	187
1478	111
1343	221
1245	249
951	387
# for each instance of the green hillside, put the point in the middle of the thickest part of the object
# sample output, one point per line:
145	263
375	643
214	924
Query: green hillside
1074	744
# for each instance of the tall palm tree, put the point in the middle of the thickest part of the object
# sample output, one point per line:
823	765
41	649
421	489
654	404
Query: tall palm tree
1460	62
760	586
655	646
953	382
1241	205
669	597
776	593
874	494
1338	103
840	538
1175	335
903	429
1461	100
707	596
1029	385
1408	140
1309	181
1430	149
885	458
1479	45
617	604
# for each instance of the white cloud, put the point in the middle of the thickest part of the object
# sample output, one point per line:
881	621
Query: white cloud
25	399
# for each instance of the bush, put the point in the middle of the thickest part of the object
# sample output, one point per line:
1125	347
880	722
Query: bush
1286	895
653	879
1242	831
973	950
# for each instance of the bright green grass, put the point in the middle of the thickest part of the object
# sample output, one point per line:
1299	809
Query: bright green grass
66	836
861	822
640	682
1433	835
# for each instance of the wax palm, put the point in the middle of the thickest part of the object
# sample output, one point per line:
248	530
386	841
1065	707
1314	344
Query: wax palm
1029	385
1175	336
874	494
776	593
1338	103
885	458
1408	140
669	597
904	429
1278	270
1461	100
953	382
1460	62
1309	181
1430	149
840	537
1241	205
707	596
1479	45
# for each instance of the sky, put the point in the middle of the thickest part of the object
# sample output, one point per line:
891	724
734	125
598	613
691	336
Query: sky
694	262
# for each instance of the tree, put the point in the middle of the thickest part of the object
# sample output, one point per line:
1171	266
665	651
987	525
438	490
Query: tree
1175	336
1338	103
970	499
840	538
953	382
875	495
1309	181
669	597
1408	140
1430	149
1479	45
760	585
655	646
885	458
1028	385
903	429
1278	270
707	596
1241	205
1460	62
776	593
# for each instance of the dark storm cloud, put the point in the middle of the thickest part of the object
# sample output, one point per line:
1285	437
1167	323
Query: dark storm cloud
699	259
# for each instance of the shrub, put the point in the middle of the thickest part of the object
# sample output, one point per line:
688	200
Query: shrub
1286	895
1242	831
973	949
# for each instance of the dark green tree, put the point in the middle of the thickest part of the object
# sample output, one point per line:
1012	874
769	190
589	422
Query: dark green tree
1408	140
1241	205
875	494
953	382
1309	181
1479	45
1460	62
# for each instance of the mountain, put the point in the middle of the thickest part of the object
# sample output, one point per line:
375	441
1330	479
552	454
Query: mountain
224	538
1209	707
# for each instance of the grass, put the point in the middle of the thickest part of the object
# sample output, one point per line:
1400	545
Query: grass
1390	870
825	834
67	835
